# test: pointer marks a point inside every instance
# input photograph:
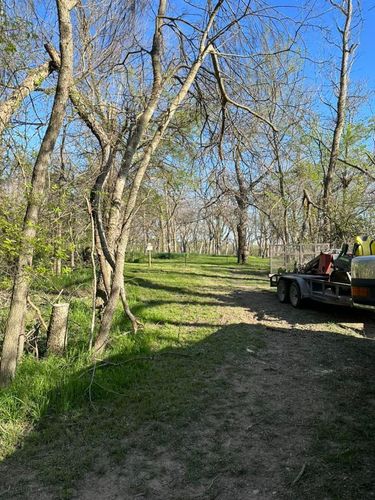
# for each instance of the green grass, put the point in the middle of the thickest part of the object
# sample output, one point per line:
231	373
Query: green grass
180	306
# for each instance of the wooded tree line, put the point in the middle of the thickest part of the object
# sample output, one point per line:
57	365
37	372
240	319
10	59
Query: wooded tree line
191	125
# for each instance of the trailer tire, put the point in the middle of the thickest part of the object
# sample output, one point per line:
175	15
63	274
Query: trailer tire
283	291
295	296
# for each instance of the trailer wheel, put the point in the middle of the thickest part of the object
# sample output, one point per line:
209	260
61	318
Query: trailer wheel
283	291
295	294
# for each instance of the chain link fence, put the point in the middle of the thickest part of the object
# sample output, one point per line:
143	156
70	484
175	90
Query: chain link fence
289	258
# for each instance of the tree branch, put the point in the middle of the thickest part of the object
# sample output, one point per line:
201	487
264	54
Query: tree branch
226	99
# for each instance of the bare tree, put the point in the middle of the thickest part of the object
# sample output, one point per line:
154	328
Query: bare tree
347	49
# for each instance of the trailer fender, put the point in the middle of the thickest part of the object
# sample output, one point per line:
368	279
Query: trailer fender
303	285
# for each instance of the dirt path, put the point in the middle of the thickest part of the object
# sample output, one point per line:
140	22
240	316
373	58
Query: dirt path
288	413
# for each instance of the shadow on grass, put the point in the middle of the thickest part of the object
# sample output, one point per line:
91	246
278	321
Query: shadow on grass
179	290
259	302
264	303
243	274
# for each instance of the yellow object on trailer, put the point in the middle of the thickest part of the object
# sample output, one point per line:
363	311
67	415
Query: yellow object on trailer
364	246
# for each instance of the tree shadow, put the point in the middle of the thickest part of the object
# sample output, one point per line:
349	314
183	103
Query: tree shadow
180	290
251	275
267	309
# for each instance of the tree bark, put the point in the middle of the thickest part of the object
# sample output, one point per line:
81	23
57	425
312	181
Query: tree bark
242	252
104	245
242	201
57	330
21	280
282	190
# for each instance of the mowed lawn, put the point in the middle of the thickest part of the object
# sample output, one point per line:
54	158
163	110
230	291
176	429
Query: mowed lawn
224	393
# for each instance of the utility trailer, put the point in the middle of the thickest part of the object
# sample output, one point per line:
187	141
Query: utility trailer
330	277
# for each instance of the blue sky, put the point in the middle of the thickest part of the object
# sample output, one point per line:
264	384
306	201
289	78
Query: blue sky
319	76
364	66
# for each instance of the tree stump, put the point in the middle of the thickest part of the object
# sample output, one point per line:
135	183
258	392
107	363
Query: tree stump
57	329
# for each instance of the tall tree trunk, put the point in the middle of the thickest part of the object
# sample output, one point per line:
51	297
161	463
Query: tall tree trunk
21	280
58	260
72	246
114	223
347	49
281	179
168	218
105	246
241	198
163	234
242	252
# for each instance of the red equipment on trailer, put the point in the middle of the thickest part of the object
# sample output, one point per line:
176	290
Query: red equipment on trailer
331	277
